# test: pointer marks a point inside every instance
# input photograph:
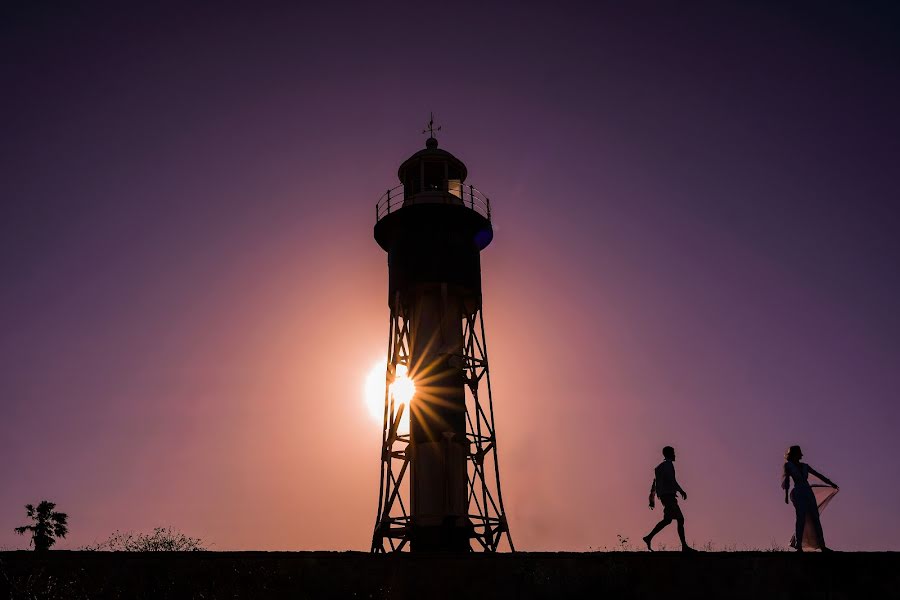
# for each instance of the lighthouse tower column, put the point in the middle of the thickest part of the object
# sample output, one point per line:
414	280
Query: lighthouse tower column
438	444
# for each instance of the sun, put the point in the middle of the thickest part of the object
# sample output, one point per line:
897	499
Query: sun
403	387
403	390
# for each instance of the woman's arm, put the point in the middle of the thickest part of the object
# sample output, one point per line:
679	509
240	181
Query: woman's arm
822	477
785	483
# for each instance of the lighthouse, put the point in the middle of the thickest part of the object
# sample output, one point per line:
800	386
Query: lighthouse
440	477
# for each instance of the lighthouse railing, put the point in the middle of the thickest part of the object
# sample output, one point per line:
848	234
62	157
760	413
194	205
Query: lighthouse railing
454	193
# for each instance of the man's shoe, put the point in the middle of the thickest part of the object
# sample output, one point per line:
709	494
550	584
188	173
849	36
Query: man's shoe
647	541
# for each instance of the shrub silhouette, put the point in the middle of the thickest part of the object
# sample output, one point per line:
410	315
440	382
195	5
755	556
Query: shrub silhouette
163	539
47	527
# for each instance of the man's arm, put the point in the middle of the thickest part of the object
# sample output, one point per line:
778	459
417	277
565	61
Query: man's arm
653	494
678	487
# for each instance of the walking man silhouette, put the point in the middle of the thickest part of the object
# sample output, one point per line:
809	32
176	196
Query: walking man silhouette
666	486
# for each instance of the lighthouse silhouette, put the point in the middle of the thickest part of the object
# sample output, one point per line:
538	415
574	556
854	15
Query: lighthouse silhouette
440	480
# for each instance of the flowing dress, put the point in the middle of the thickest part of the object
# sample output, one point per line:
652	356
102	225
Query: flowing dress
809	500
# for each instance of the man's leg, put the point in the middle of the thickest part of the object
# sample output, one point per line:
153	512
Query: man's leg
659	527
679	517
681	533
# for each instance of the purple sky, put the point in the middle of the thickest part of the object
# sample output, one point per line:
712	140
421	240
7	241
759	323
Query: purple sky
696	216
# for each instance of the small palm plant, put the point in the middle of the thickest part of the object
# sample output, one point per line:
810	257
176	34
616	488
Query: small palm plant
48	525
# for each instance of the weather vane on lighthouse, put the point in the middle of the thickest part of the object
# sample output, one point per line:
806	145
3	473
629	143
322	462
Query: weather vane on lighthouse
440	475
431	128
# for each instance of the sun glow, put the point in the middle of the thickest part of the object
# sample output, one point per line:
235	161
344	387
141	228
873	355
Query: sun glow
403	389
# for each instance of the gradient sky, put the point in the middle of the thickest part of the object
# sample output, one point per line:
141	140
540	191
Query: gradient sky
696	216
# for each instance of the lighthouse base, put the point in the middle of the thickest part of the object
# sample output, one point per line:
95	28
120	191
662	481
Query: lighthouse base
453	535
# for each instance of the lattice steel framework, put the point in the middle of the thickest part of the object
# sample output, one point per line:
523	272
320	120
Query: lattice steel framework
485	501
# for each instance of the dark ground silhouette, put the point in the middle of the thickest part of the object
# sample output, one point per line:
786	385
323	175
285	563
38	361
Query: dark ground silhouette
525	575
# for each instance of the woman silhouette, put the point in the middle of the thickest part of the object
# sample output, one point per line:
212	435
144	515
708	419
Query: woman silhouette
809	528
